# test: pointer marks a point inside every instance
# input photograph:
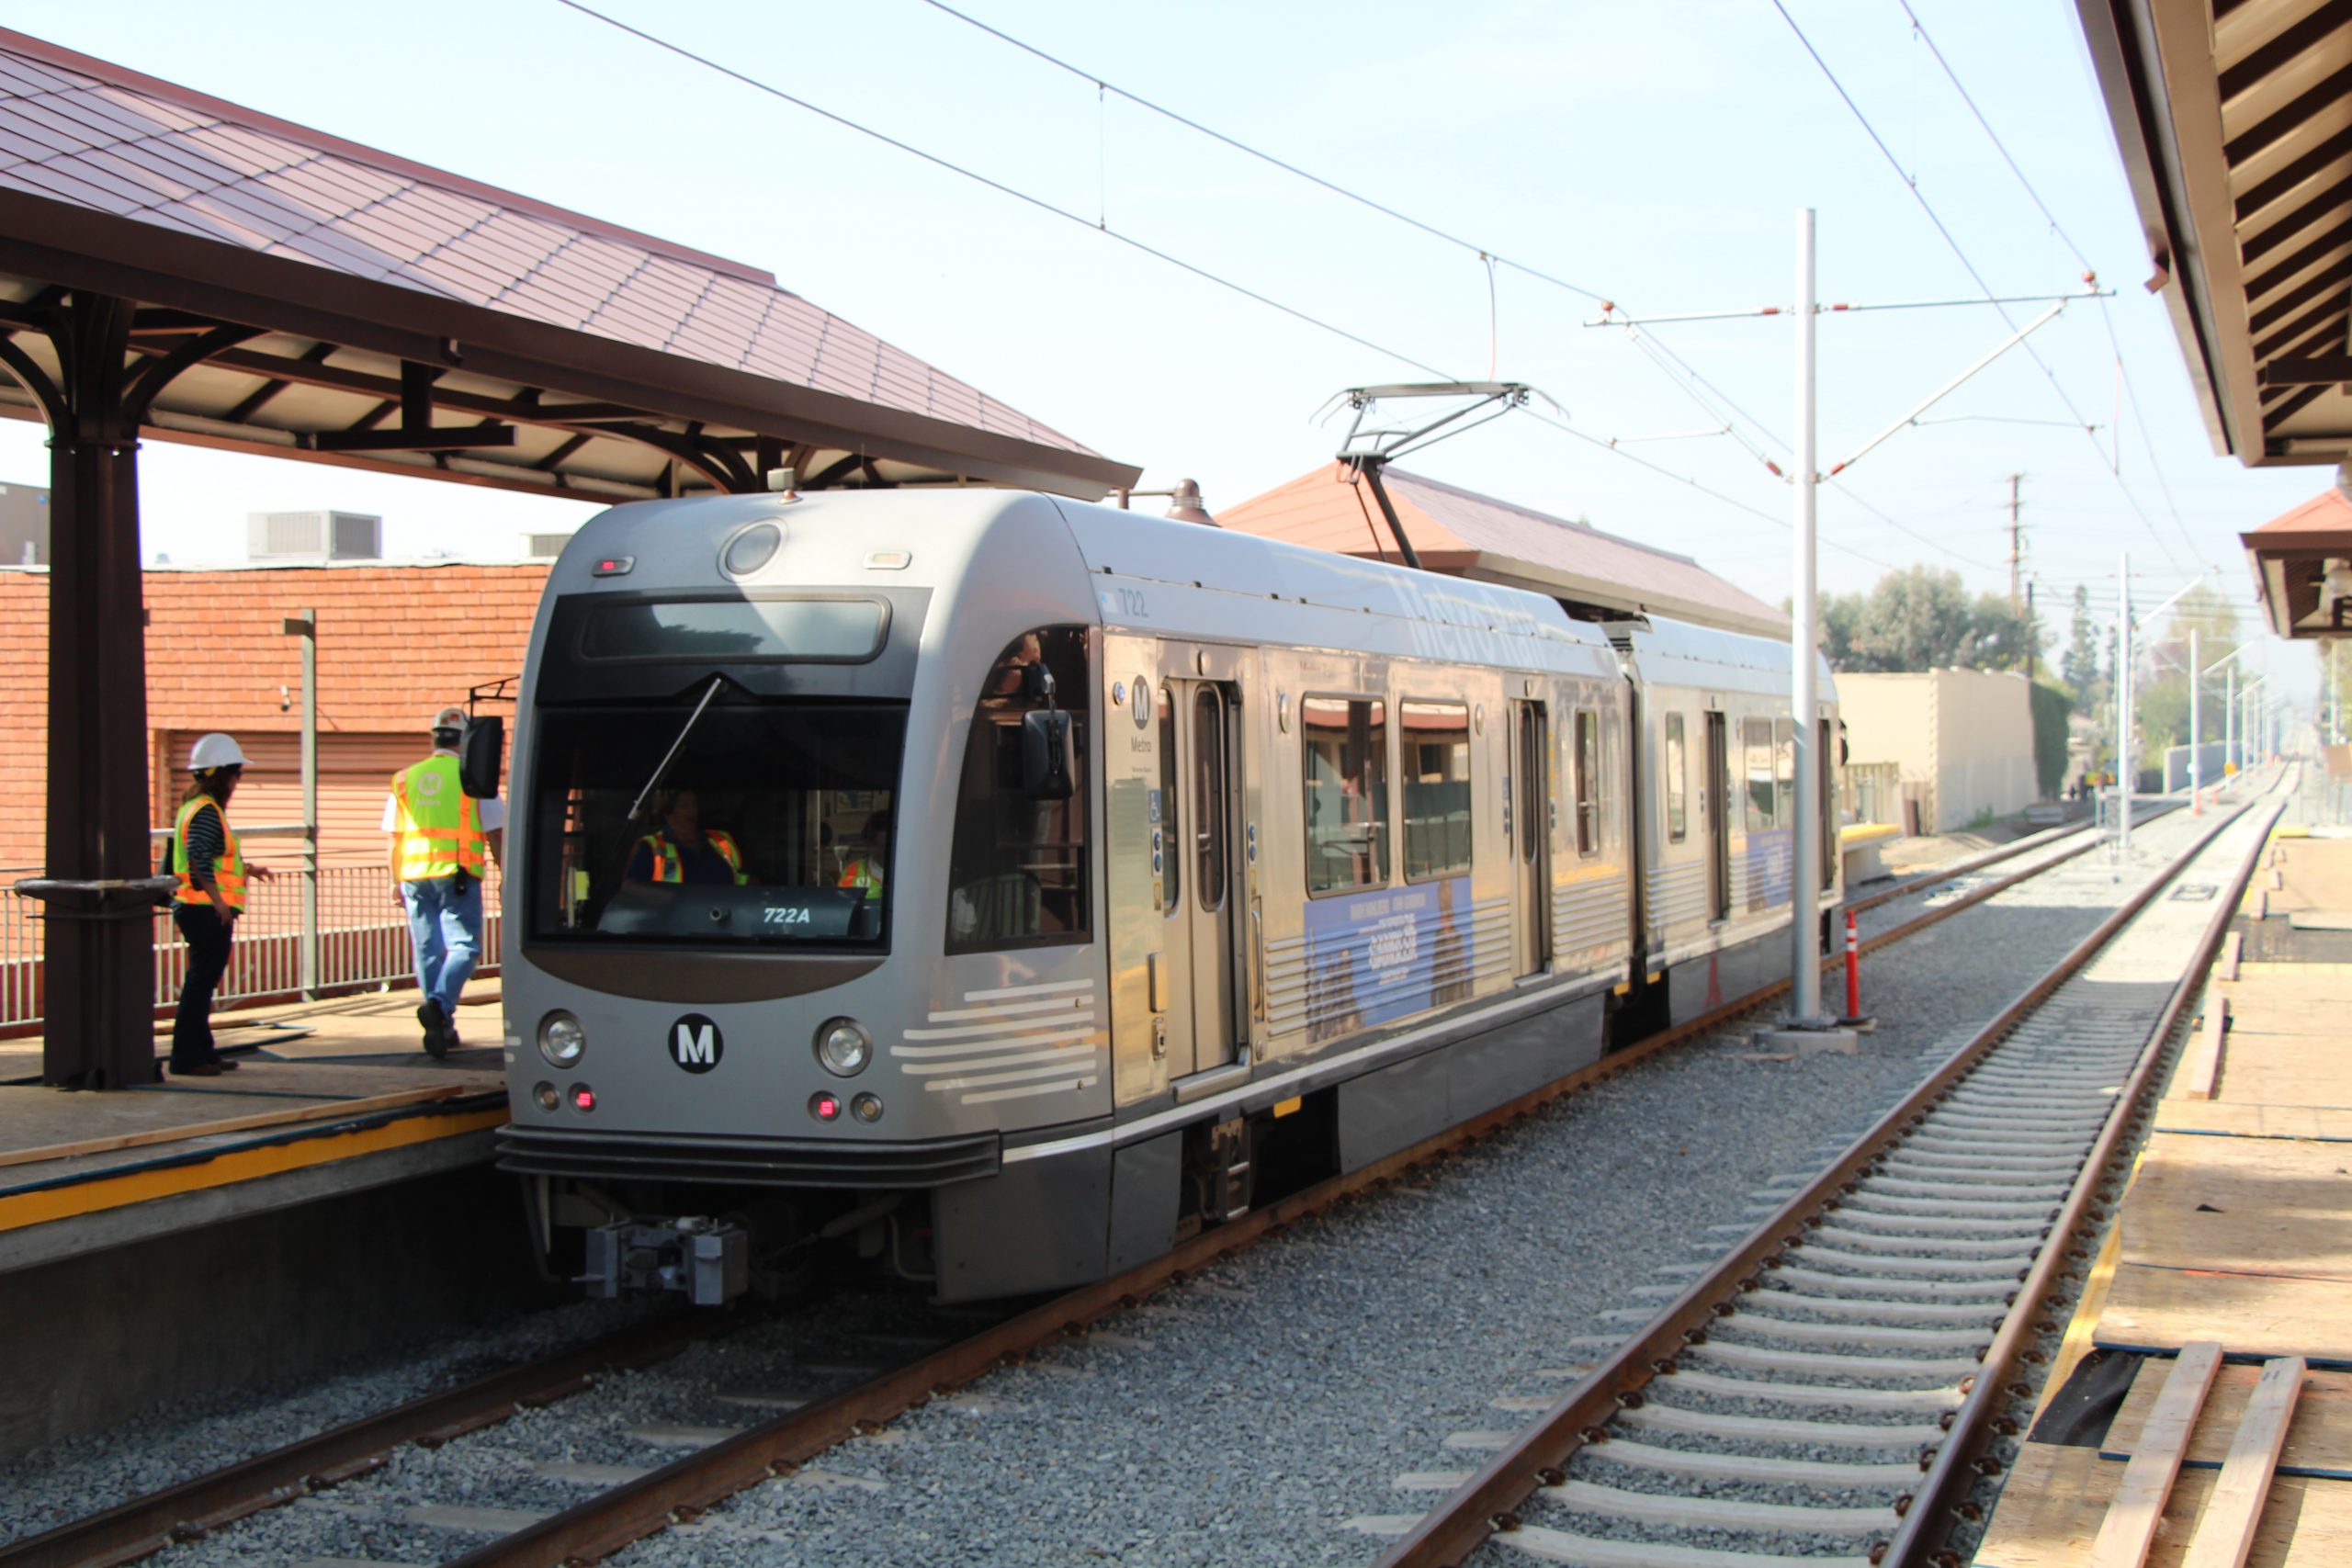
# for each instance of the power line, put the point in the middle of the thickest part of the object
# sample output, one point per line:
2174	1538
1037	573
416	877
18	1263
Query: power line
1952	242
1486	255
1002	188
2089	272
1484	252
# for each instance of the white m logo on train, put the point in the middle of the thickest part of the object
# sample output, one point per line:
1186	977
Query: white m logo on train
696	1044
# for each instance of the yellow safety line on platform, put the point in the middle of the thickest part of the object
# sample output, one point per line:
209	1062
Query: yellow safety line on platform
239	1165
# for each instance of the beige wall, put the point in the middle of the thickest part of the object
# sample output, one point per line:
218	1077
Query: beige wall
1964	739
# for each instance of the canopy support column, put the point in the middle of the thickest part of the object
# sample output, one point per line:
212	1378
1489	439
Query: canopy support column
98	1030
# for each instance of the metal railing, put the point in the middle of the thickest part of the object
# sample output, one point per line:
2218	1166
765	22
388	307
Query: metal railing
357	941
1873	792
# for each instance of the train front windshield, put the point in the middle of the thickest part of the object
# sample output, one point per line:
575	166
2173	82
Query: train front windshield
771	825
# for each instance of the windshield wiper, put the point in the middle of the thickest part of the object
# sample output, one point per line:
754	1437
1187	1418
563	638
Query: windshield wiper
671	755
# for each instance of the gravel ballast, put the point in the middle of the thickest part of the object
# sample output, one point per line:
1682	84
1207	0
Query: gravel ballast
1246	1417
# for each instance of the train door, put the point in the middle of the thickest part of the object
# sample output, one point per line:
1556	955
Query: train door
1196	986
1716	806
1532	858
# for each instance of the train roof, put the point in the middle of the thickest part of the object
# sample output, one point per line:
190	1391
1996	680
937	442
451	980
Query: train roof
1218	583
1677	653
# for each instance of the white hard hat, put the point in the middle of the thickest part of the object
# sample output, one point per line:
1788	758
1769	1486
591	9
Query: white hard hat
451	717
214	750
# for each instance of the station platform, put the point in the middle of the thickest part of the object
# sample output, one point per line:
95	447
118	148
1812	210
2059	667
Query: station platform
2203	1394
329	1097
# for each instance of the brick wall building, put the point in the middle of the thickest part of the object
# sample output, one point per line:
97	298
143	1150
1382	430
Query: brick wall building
395	642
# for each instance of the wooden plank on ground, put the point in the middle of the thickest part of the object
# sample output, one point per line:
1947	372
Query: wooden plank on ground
2225	1527
2252	1314
2318	1440
2242	1205
2200	1064
2286	1069
2232	947
2053	1499
291	1117
2232	1119
2138	1506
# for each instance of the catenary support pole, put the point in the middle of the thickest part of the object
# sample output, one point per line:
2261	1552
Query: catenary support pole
2196	731
2123	780
2230	763
1805	641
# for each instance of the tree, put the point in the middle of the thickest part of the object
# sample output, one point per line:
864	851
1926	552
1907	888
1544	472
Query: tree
2080	667
1913	620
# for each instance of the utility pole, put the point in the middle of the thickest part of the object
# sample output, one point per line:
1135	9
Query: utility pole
1804	643
2017	550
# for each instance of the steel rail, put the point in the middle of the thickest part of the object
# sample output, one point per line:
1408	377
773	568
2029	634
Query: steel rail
1490	1499
193	1507
189	1509
1959	1458
1977	862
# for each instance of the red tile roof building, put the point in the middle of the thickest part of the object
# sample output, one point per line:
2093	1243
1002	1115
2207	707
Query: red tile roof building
1469	535
395	643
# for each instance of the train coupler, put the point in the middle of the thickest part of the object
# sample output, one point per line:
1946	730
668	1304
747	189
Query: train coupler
707	1261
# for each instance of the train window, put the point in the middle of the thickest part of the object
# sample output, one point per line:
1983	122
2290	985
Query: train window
770	826
1210	817
1587	781
1017	874
738	630
1345	744
1678	820
1172	855
1436	781
1756	735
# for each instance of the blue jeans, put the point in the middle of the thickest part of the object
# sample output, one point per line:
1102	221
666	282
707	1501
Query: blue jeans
445	934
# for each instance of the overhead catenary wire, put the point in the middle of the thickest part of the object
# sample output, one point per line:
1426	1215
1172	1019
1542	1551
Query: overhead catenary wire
2131	391
1038	202
1488	256
1952	242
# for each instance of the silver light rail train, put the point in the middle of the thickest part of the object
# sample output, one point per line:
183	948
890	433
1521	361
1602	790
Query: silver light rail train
1082	878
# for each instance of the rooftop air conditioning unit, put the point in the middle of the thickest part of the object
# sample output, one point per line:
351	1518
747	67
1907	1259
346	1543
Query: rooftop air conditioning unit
545	547
282	539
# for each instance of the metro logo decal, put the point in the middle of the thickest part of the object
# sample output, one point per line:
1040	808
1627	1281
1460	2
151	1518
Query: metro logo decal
696	1044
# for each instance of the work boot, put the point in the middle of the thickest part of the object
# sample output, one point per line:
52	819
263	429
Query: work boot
197	1070
436	1027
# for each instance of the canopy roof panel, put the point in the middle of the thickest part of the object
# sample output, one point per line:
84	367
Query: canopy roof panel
2290	556
2234	122
404	318
1477	537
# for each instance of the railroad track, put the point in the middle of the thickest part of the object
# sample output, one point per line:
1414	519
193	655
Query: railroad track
637	1502
1827	1391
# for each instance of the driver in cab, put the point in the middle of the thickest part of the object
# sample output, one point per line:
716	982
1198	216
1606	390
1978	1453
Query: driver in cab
681	851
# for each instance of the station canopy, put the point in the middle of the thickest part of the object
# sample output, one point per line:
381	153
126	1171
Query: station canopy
2234	122
1597	575
2302	567
305	296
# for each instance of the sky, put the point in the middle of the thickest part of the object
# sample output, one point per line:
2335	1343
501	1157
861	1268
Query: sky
1654	155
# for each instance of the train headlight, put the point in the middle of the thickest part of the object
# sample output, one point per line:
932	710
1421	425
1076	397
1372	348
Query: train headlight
844	1047
562	1040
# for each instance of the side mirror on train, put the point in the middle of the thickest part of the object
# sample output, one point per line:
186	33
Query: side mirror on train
1048	755
479	755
